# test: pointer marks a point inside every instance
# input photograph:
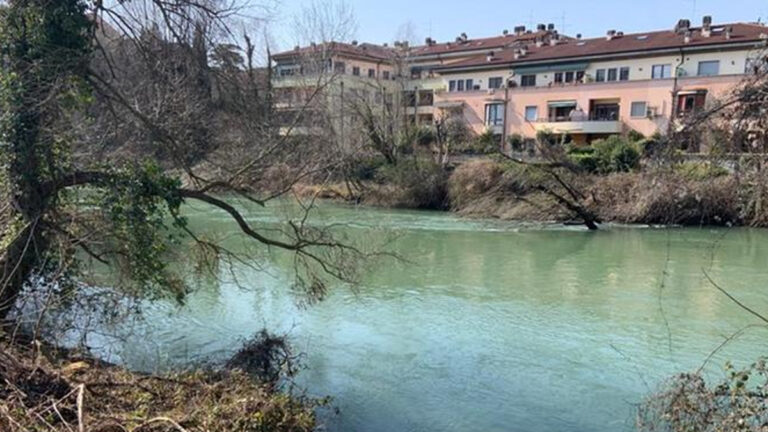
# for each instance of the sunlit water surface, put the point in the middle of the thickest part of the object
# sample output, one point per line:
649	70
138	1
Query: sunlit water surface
490	326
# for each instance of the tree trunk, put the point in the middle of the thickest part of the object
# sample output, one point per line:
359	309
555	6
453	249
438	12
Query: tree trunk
16	265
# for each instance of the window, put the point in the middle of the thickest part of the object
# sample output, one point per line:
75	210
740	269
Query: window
691	102
531	113
415	73
385	75
639	109
528	81
460	85
286	72
452	85
661	71
356	71
600	75
470	85
580	76
558	77
624	74
569	77
494	114
340	67
613	74
371	73
494	83
426	98
709	68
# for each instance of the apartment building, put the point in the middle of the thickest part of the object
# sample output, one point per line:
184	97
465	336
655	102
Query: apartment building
526	81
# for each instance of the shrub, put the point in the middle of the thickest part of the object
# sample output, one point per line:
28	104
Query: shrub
635	136
615	154
700	170
472	179
516	142
421	183
365	167
485	143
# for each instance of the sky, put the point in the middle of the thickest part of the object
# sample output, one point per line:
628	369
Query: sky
379	21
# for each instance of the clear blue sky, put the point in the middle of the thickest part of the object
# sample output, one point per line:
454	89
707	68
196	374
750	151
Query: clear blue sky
379	20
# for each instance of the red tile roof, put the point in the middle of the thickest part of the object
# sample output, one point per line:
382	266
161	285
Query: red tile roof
475	44
637	42
364	51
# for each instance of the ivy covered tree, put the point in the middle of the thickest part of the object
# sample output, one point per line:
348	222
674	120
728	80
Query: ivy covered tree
57	207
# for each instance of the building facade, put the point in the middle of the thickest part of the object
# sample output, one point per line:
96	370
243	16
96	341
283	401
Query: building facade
527	81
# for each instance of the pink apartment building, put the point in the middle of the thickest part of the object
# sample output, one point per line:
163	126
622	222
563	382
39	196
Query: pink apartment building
525	81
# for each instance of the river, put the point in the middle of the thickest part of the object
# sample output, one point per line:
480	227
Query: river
490	326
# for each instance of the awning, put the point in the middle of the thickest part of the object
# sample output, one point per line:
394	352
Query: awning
691	92
570	67
449	105
561	104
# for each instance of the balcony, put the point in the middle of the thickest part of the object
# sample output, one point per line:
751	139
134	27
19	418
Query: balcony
584	126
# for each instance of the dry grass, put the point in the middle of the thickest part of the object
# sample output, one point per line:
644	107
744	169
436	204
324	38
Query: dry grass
64	393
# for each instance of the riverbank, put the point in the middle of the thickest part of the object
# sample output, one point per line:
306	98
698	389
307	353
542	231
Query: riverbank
59	390
689	194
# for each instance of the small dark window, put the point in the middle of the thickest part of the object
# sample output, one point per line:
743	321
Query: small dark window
452	86
385	75
356	71
528	81
569	77
460	85
558	77
613	74
580	76
371	73
340	67
624	74
470	85
495	82
600	75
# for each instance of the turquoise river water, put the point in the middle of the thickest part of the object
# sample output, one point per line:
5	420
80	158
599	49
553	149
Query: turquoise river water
489	326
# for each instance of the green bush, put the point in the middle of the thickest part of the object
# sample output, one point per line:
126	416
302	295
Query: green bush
613	154
485	143
700	170
516	142
365	167
635	136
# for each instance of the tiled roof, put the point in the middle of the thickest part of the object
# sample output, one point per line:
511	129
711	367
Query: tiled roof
364	50
648	41
474	44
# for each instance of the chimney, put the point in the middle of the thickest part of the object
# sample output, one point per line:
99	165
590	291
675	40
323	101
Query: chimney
550	27
519	30
541	27
728	32
610	34
296	48
464	37
682	26
554	40
578	36
687	37
490	56
385	45
706	26
354	43
428	41
539	41
505	32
